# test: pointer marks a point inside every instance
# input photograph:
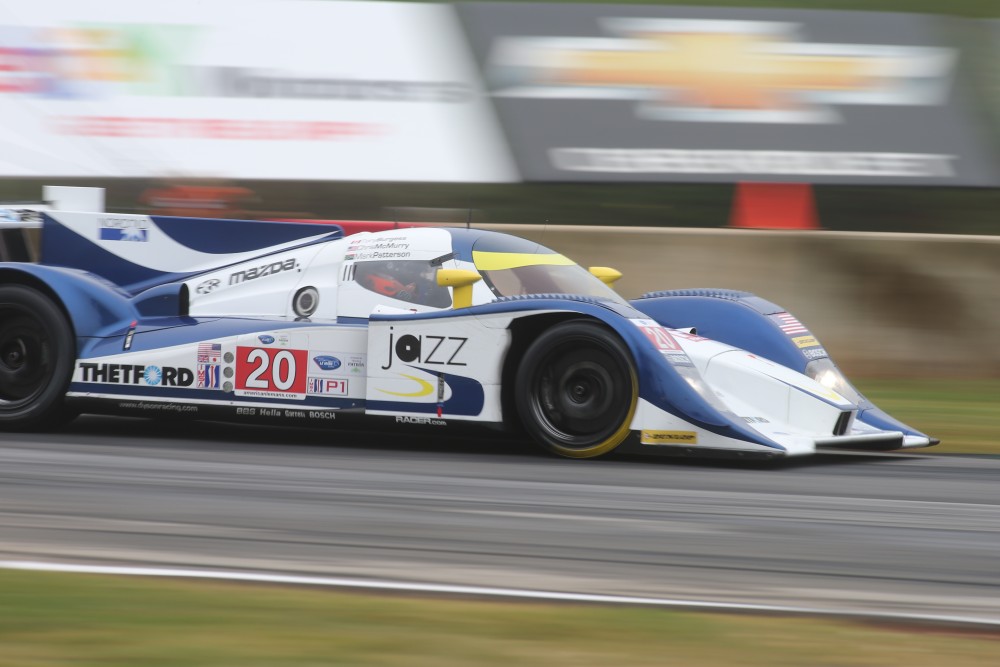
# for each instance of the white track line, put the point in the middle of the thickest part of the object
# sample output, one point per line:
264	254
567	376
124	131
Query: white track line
484	591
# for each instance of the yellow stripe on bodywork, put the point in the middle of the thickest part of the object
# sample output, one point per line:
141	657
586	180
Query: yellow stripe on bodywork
496	261
425	388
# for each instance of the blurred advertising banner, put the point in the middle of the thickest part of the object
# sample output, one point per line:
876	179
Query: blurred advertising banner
257	89
663	93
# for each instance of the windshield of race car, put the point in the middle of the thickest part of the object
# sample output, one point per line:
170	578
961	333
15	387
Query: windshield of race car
528	268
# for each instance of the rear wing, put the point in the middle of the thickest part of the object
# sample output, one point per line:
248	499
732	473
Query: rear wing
21	222
20	231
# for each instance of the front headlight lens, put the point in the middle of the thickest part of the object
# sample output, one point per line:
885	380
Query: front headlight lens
828	375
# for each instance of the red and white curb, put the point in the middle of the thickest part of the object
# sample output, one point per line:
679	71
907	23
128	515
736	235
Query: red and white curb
486	591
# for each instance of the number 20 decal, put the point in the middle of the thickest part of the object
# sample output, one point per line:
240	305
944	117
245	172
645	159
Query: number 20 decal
271	369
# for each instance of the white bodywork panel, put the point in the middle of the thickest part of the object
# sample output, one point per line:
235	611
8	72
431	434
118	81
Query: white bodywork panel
410	362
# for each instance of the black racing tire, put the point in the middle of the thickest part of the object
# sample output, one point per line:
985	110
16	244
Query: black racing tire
577	390
37	352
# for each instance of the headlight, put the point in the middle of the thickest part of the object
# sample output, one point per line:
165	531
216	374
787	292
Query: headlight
828	375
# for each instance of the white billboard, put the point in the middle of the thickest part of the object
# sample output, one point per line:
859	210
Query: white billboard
263	89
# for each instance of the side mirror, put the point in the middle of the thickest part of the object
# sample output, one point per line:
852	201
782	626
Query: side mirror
605	274
462	281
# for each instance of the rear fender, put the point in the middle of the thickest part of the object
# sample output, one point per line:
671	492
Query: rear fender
95	307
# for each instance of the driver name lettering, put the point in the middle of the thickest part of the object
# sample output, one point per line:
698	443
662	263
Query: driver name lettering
381	245
384	242
395	247
426	349
378	254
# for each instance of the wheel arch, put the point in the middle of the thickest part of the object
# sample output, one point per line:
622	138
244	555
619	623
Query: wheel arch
92	307
32	391
524	330
10	276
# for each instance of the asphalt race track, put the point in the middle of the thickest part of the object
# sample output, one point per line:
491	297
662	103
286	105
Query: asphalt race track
913	533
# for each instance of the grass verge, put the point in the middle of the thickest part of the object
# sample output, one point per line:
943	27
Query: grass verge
51	619
964	414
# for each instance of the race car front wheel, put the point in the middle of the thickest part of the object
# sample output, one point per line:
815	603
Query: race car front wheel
36	359
576	390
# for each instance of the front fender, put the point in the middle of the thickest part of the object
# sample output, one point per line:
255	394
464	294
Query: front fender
747	321
740	319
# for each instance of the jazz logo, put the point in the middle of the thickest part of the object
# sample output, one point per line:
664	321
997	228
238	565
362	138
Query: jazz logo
426	349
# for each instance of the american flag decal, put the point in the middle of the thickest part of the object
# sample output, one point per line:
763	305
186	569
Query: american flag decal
790	325
209	353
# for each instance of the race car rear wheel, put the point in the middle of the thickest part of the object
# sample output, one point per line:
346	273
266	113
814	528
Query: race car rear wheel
577	390
36	359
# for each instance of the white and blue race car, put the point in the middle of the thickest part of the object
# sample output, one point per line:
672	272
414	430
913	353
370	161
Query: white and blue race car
270	322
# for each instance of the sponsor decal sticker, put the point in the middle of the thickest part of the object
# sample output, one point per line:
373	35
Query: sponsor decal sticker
265	339
327	362
426	421
157	406
669	438
271	372
123	229
328	415
356	365
263	270
208	286
209	376
135	374
756	420
815	353
805	341
327	386
337	363
426	349
678	359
